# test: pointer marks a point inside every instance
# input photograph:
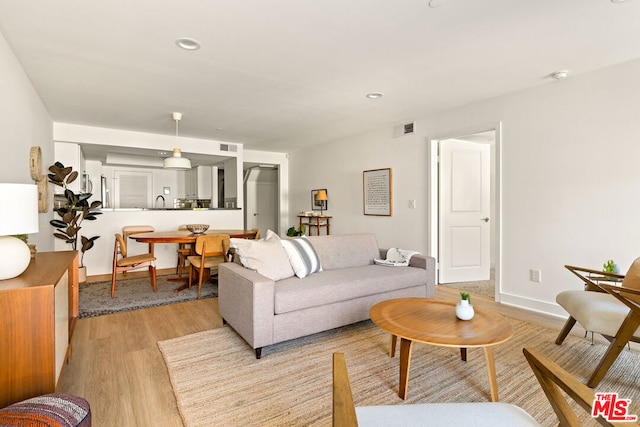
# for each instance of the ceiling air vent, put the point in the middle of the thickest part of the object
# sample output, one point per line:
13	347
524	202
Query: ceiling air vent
402	130
228	147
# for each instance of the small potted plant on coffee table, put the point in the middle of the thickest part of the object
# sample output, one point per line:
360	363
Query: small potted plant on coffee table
464	309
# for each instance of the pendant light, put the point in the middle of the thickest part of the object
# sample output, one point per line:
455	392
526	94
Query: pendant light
177	162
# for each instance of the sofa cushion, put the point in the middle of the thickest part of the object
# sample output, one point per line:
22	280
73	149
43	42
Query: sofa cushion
345	250
302	256
330	286
267	256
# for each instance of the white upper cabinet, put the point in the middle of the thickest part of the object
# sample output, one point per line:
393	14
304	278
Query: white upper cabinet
198	182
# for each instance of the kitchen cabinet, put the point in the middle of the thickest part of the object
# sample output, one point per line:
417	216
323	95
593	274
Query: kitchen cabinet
199	182
38	313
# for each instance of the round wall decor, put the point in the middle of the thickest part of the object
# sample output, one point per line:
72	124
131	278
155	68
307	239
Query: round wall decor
43	195
35	163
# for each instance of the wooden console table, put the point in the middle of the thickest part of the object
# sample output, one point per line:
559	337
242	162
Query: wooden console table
316	221
38	314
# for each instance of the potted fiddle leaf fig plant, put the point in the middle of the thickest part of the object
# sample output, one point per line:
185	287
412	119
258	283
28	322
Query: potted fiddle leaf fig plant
73	211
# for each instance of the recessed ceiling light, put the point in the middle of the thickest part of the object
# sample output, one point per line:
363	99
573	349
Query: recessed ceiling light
559	75
187	43
375	95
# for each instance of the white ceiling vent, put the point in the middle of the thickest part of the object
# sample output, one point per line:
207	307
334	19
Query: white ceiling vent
402	130
228	147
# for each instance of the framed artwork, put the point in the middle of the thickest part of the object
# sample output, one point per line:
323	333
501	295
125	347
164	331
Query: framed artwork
318	205
377	194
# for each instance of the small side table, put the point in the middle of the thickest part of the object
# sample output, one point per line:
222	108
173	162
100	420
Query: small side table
316	221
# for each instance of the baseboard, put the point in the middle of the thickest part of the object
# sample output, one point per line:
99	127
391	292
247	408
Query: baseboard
535	305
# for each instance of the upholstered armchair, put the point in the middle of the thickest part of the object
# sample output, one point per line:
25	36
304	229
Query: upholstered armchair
605	307
552	378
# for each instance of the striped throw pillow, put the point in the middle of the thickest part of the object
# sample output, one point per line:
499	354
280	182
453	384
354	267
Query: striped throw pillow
302	256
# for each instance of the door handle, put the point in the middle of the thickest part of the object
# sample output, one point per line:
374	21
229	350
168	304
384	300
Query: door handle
255	214
485	219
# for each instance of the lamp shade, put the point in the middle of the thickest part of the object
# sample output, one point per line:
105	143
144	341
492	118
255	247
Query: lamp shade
19	217
321	195
177	162
20	213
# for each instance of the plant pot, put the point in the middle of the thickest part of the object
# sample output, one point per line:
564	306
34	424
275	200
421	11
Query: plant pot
82	274
464	310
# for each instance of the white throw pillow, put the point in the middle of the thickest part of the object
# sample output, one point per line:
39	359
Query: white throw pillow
267	256
302	256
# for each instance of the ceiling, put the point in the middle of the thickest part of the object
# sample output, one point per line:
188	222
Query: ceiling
279	75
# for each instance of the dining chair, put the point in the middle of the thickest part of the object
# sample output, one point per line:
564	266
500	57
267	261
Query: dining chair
211	250
184	250
256	236
123	263
128	230
610	310
552	378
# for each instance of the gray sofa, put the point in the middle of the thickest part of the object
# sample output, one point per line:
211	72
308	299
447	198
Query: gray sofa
266	312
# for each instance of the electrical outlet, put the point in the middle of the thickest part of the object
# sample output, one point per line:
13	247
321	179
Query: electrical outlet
412	204
535	275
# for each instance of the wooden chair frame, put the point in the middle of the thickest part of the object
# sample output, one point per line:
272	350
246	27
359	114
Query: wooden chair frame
203	252
552	379
146	260
627	296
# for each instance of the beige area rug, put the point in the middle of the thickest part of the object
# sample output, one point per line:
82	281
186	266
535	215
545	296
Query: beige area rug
218	381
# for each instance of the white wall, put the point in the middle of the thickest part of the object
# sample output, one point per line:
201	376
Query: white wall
338	167
24	122
570	179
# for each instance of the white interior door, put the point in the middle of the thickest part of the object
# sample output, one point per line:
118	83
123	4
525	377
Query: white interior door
464	205
267	207
261	192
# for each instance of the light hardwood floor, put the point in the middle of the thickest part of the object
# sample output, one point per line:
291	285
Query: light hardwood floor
117	367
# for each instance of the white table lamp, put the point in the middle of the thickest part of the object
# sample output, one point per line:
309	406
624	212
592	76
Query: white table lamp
19	216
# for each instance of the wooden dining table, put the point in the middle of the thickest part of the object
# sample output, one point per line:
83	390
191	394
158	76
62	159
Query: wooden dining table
185	236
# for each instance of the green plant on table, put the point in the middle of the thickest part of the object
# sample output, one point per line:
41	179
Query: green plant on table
610	267
293	232
465	296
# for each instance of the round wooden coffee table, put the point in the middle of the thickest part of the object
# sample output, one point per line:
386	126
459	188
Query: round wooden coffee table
434	322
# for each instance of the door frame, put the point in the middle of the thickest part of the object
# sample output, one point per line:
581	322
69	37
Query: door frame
433	196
